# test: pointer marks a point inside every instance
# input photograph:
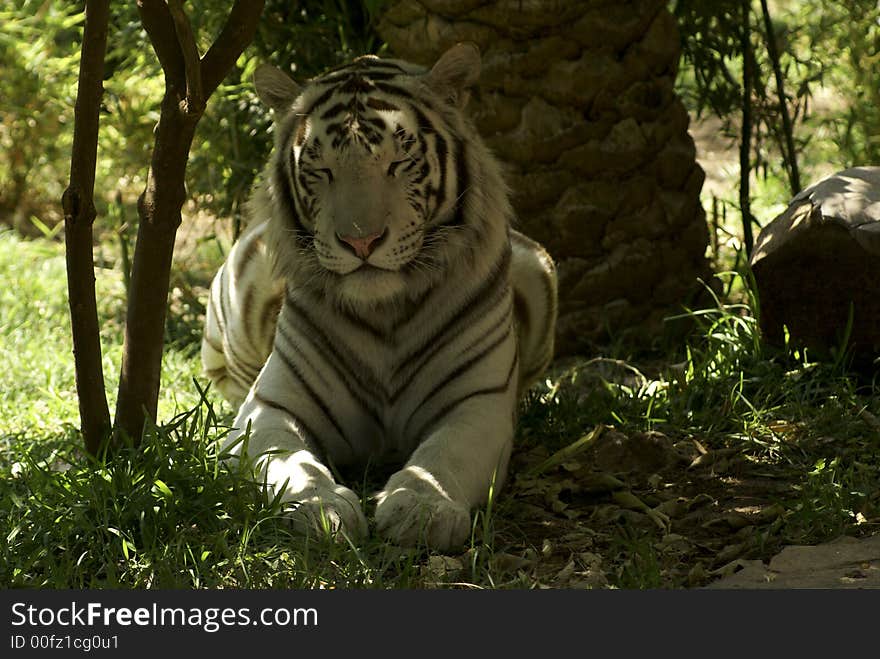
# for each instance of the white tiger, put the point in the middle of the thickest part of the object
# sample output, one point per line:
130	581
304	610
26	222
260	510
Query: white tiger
411	314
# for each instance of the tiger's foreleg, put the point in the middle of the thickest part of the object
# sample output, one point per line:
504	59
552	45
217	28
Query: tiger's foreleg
458	466
281	458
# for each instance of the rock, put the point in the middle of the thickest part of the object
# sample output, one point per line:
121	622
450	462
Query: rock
640	453
842	563
818	260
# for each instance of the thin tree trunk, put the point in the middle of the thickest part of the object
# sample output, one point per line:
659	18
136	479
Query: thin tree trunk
159	212
794	177
745	146
79	216
189	82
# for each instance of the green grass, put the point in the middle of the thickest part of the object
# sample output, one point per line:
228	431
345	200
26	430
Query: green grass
37	380
170	515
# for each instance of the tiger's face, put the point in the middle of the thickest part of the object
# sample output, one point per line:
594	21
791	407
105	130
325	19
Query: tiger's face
363	199
370	170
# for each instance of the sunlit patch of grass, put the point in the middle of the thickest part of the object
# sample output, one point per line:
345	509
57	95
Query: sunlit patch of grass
37	381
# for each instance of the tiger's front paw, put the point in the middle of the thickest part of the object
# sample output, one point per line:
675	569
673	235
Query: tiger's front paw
411	516
331	511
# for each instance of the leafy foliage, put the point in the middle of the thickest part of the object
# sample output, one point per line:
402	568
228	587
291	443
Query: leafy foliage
39	59
830	96
38	53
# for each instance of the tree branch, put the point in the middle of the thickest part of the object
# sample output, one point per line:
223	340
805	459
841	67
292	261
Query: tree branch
159	26
79	216
237	33
189	82
195	100
794	177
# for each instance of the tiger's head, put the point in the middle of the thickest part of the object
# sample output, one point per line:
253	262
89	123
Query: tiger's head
372	174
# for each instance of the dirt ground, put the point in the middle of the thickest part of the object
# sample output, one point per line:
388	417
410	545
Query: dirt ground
643	510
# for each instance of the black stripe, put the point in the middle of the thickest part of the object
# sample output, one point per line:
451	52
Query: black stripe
316	399
334	110
246	312
237	367
312	440
378	333
334	79
246	254
301	233
281	332
372	65
292	193
270	311
318	102
394	90
363	63
446	409
381	105
463	368
463	182
378	122
346	366
236	371
356	84
426	126
335	128
498	273
373	137
442	153
421	176
343	377
340	374
426	357
381	75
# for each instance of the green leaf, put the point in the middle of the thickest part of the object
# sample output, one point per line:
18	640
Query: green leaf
163	489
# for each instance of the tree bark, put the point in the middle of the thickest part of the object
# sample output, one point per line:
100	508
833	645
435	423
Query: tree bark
189	82
745	146
79	217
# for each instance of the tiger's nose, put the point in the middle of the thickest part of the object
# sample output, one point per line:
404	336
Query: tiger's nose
363	246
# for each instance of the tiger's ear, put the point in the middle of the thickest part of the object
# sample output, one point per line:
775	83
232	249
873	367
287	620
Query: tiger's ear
457	70
275	88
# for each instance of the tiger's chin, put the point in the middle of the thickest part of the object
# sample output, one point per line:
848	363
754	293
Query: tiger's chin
369	286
